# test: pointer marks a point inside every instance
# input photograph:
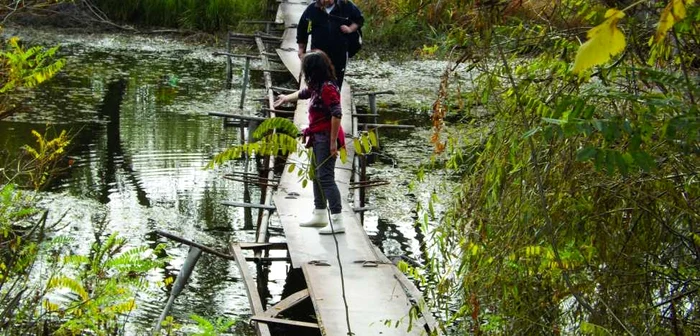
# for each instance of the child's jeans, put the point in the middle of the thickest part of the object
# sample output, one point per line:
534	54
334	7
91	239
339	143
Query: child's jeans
325	175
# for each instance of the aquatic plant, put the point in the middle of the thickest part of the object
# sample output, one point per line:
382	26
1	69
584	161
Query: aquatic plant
46	288
22	68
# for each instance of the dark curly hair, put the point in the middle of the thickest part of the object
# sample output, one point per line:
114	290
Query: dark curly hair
317	69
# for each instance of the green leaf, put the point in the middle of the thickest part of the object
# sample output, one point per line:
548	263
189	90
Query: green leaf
531	132
373	138
357	146
610	162
586	153
643	160
365	145
343	155
291	167
277	125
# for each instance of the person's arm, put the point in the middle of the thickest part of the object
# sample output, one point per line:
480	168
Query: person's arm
281	99
335	127
303	30
302	50
356	20
331	98
349	29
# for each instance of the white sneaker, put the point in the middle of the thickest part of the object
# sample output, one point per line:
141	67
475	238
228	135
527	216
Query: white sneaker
319	218
338	227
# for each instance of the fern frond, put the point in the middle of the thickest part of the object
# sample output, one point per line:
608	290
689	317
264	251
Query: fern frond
76	259
278	125
68	283
122	307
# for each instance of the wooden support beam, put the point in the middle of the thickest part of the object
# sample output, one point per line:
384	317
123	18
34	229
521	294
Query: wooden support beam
253	295
274	320
236	116
269	54
265	37
258	183
368	185
197	245
267	110
359	94
363	209
249	205
286	303
367	182
268	259
220	53
251	176
281	89
219	253
275	70
270	246
369	125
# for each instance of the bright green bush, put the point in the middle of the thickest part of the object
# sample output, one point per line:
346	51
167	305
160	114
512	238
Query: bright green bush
578	212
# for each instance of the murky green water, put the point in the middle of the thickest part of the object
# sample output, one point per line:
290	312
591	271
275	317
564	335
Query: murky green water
138	109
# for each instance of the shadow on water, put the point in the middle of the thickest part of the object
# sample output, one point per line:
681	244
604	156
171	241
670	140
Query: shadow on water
110	108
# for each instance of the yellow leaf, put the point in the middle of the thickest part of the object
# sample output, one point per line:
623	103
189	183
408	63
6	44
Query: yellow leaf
604	42
672	14
343	155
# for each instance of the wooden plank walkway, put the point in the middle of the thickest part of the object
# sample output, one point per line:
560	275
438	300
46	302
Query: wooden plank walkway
374	289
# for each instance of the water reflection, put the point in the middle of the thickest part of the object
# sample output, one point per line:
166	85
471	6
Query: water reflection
138	111
141	138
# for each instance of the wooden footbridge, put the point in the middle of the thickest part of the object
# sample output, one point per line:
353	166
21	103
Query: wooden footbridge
354	288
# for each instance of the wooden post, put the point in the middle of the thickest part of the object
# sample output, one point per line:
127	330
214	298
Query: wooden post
373	109
229	65
180	282
247	212
245	81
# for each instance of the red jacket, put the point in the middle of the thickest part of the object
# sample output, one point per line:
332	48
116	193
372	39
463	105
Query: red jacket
323	105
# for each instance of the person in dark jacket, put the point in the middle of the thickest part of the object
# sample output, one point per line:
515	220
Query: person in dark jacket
329	22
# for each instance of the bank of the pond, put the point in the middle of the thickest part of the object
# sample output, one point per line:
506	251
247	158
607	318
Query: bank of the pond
138	109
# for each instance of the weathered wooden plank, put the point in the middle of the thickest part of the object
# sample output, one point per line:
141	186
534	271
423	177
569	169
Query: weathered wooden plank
374	294
286	303
374	299
237	116
271	246
265	319
195	244
283	112
372	125
373	93
251	288
249	205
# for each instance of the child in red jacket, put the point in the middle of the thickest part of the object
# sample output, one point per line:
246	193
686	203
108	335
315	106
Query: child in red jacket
325	136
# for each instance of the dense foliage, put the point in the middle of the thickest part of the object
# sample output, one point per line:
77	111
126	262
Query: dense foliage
46	288
207	15
578	207
23	68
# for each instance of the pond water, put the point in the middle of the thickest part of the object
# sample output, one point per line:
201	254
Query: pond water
137	107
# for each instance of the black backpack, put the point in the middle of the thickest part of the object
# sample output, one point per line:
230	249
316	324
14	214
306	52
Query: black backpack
355	38
354	42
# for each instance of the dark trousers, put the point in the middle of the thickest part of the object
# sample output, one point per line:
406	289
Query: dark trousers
340	61
324	178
